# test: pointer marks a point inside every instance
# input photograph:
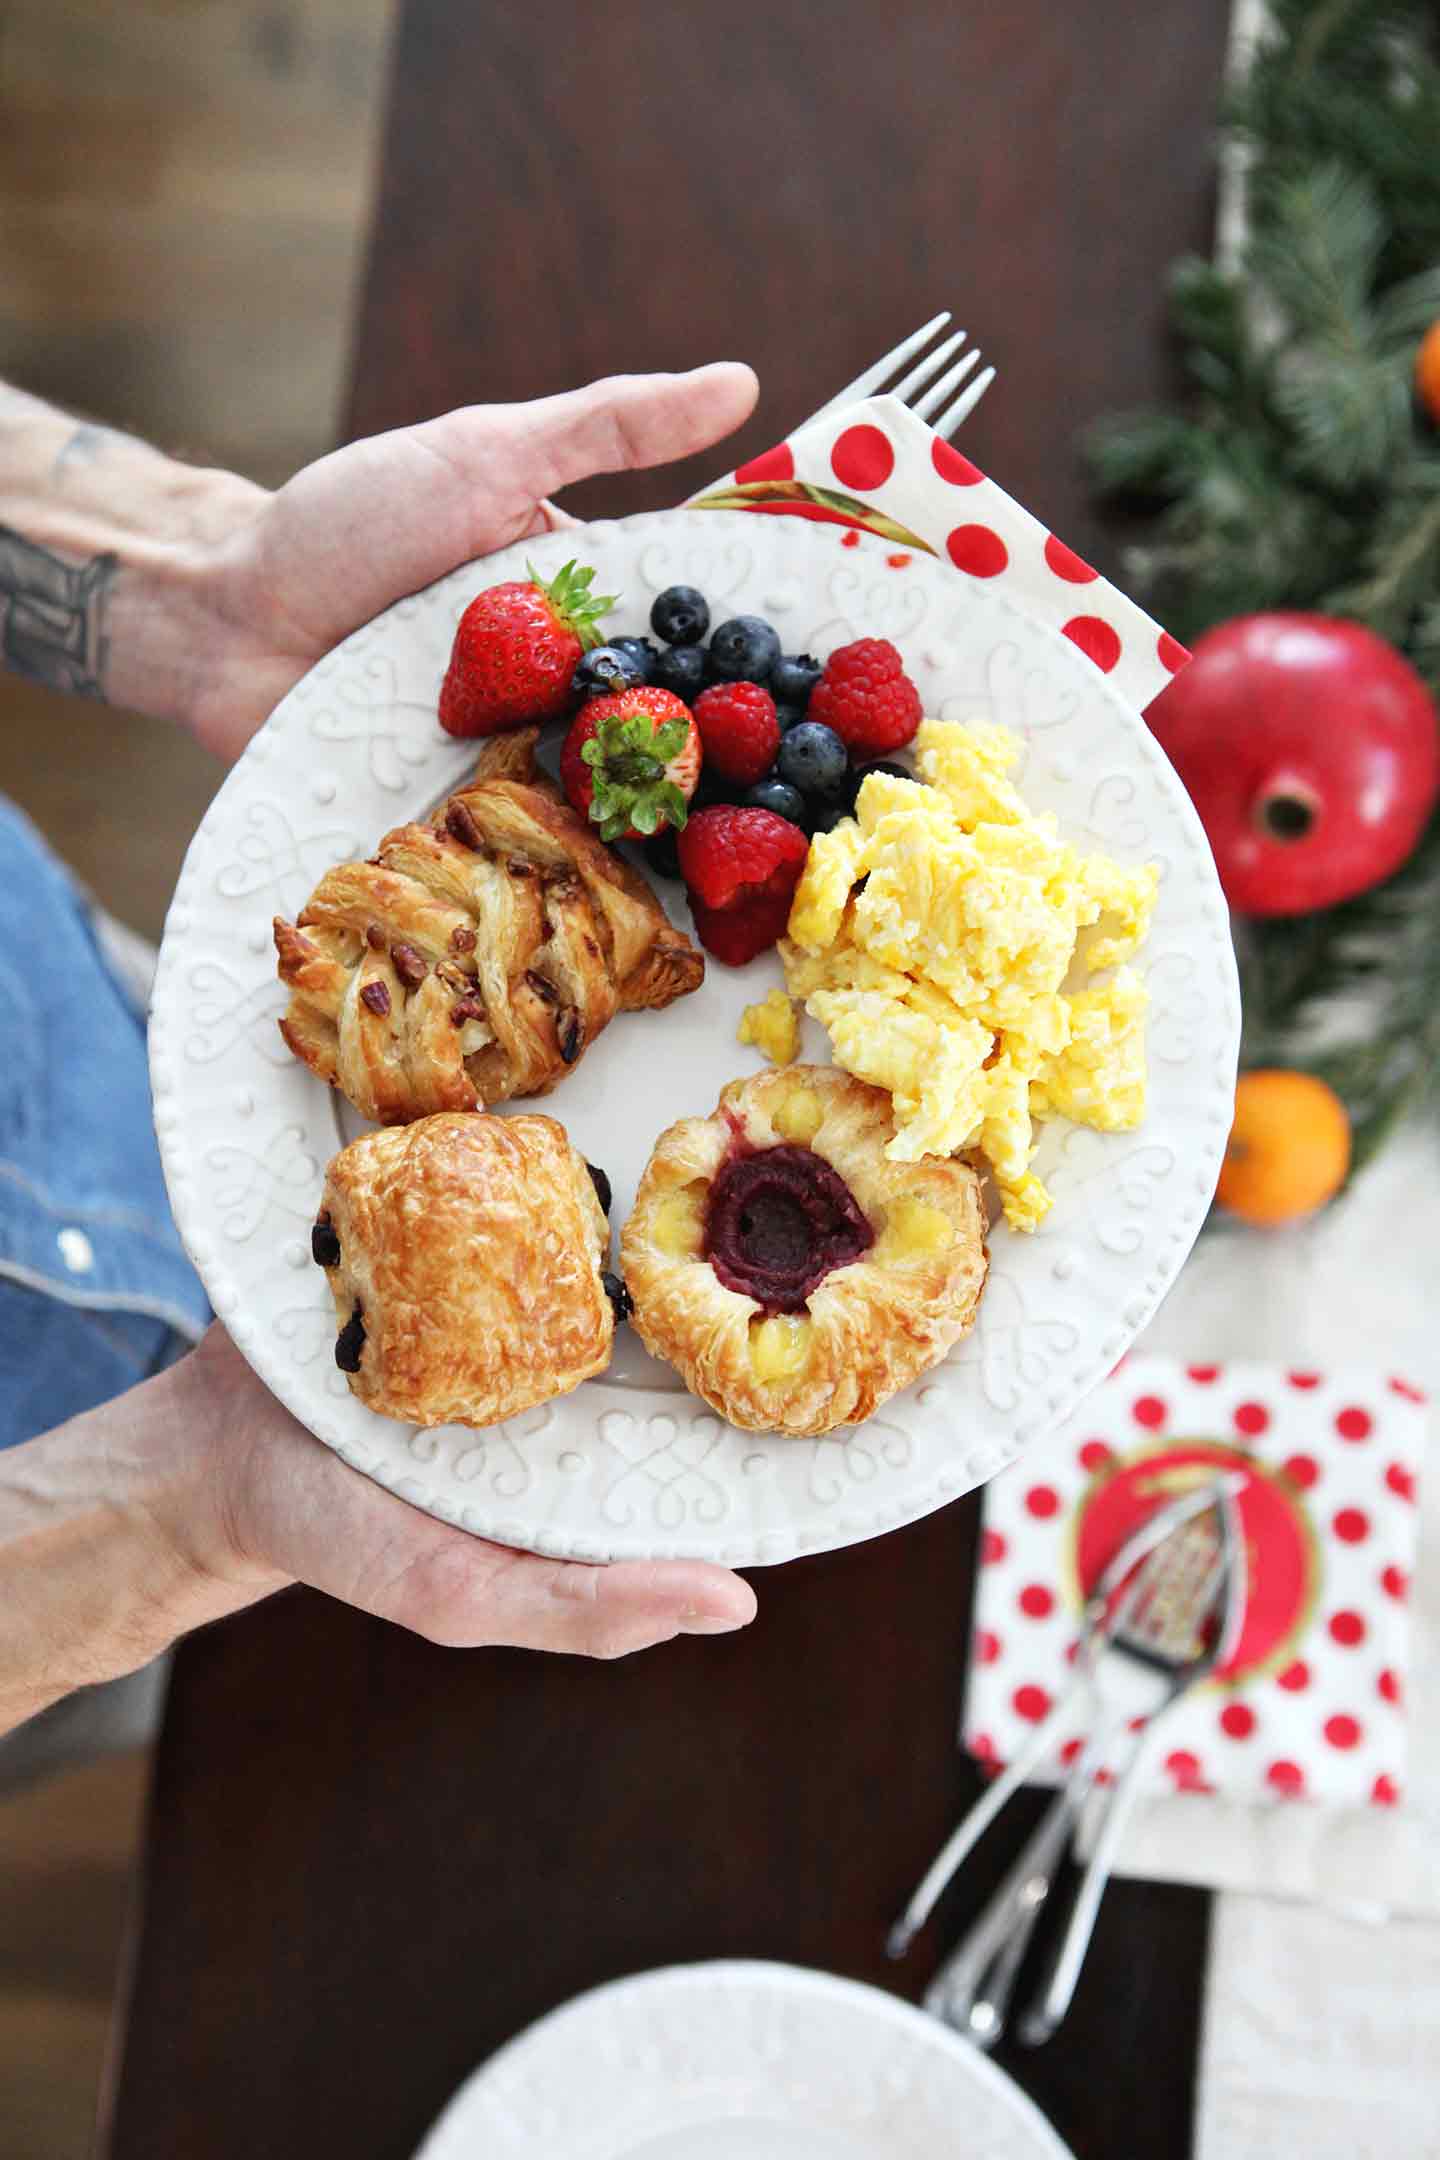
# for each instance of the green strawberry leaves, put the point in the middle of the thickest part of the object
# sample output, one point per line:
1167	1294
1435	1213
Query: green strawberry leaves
573	604
628	756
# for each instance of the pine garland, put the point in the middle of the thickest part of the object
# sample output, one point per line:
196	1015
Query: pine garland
1303	474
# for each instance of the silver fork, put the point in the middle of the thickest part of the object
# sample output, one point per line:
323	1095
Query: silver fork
925	388
1154	1649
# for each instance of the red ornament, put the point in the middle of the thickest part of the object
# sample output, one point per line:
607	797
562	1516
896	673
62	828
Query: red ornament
1311	750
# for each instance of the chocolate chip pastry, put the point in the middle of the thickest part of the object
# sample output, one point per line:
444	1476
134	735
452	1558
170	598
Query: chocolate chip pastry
476	957
465	1256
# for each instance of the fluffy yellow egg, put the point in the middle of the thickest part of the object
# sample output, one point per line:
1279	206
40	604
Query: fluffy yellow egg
933	933
772	1027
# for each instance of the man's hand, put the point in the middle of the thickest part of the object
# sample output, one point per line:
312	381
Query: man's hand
373	522
197	1494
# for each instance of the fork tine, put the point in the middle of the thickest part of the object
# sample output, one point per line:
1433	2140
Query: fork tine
925	370
965	404
936	395
864	385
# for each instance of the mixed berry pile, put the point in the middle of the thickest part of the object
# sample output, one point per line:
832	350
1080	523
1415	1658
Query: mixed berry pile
717	751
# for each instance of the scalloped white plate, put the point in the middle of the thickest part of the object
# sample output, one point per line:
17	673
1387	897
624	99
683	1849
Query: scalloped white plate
631	1464
740	2061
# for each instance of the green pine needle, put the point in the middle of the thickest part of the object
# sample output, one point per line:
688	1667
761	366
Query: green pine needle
1304	474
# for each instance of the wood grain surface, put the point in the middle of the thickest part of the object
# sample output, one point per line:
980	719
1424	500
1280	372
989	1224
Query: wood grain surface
371	1861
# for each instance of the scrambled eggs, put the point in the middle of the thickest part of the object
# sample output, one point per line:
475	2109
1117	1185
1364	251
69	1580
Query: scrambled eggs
772	1026
931	935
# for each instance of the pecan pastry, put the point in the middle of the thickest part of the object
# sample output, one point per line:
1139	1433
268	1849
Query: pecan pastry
791	1272
478	956
464	1254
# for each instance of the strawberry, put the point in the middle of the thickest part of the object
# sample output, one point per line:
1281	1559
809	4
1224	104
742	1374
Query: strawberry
867	698
739	729
740	867
516	649
631	762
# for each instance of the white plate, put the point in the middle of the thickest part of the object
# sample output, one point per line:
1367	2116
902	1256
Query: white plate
740	2061
632	1464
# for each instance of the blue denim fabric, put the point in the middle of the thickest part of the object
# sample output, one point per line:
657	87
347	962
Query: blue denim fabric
95	1288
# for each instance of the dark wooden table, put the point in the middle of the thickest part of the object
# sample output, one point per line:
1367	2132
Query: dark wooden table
371	1861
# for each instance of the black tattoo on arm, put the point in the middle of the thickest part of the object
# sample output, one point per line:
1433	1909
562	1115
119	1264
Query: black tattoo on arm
87	442
52	615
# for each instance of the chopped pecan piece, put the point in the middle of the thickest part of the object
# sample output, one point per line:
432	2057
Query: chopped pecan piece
377	997
467	1008
461	826
570	1036
410	965
462	940
542	987
375	937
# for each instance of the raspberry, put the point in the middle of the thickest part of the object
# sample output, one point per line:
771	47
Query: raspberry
741	867
740	933
867	698
739	729
726	853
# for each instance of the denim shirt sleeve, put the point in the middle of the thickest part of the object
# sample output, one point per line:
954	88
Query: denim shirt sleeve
83	1212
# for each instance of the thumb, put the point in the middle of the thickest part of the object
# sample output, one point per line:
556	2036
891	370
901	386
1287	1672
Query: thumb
625	422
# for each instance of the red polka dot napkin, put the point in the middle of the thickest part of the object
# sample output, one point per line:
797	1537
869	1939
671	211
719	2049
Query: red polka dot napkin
875	468
1312	1704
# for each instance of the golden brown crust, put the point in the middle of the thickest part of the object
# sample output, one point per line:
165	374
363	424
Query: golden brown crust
876	1325
472	1248
476	957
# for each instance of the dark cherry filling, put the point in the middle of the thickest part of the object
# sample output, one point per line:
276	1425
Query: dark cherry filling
779	1222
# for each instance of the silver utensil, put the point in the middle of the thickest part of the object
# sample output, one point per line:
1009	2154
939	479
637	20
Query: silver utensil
925	388
1207	1571
1098	1616
1138	1654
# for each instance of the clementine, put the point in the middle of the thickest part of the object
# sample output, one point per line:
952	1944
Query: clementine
1427	372
1289	1147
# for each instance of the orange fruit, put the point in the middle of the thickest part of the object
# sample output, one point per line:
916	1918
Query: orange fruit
1427	372
1289	1147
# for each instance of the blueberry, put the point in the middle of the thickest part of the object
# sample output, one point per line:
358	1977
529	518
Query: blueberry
813	759
680	669
779	796
661	853
621	1303
642	651
825	816
788	716
744	649
793	677
606	669
680	615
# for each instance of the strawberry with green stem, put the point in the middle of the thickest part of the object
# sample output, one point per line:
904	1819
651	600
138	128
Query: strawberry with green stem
631	762
516	649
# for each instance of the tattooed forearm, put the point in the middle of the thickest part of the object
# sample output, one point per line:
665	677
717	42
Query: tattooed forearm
86	441
52	615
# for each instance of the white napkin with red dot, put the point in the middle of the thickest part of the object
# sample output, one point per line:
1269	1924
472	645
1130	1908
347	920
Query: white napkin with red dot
1311	1710
875	468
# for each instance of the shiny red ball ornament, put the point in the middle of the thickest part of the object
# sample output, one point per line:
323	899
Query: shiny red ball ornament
1311	750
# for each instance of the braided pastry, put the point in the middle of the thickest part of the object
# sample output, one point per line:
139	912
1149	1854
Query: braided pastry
792	1273
476	957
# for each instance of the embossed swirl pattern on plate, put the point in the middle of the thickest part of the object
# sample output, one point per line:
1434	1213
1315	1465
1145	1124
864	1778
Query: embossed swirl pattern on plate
630	1464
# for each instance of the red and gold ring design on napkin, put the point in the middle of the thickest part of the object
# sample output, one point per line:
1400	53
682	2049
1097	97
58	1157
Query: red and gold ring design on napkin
1282	1551
1314	1705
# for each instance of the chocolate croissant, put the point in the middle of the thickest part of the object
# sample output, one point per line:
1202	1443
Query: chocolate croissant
476	957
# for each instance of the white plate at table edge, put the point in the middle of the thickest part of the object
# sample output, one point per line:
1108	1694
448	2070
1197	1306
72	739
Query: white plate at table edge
632	1465
684	2052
